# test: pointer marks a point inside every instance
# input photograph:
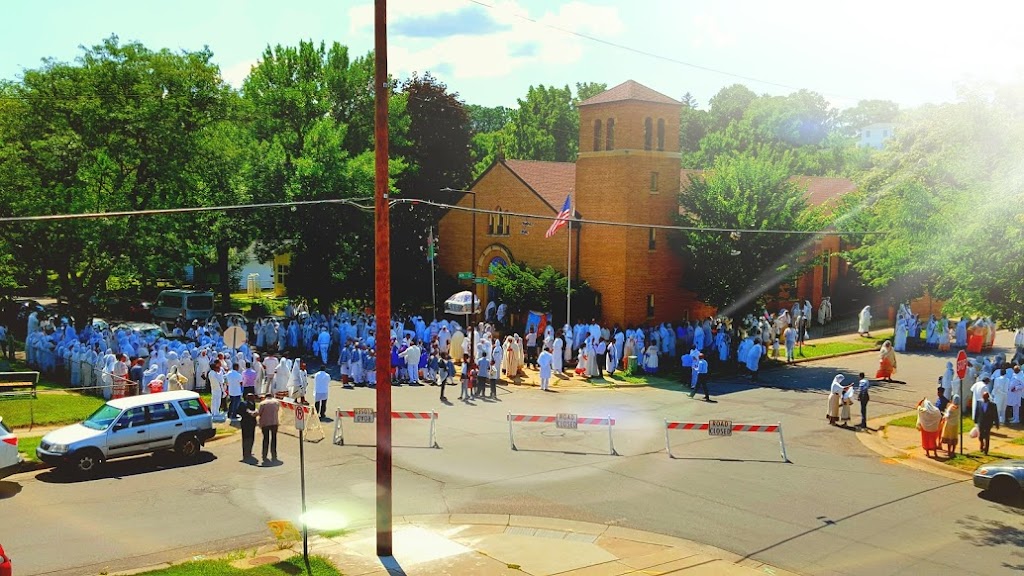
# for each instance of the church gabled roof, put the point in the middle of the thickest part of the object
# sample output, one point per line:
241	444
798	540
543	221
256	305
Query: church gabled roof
552	181
630	90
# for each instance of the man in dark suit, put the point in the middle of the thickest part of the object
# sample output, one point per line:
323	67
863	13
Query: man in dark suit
988	417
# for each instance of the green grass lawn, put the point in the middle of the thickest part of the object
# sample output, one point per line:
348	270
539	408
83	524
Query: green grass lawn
51	408
972	460
244	302
27	446
910	421
292	566
1018	441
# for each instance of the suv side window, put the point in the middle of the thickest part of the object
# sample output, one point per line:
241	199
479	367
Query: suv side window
132	417
191	407
162	412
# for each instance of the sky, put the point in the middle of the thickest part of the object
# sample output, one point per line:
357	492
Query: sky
491	51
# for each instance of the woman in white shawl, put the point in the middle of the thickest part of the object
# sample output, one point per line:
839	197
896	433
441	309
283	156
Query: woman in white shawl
188	370
282	377
946	381
844	412
835	399
864	324
297	381
902	331
651	359
510	360
943	334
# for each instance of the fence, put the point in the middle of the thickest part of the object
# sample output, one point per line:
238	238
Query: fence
368	416
567	421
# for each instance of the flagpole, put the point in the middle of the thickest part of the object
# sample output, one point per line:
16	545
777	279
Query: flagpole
568	272
433	283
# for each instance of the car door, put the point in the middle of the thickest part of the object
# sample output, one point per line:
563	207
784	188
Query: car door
129	433
164	425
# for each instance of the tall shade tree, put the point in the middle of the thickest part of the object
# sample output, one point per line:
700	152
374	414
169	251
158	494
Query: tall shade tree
117	129
733	272
312	140
438	153
544	127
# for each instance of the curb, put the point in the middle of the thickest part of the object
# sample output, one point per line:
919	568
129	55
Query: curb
878	444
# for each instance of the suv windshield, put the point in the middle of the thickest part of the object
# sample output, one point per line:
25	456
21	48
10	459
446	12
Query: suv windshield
169	301
102	417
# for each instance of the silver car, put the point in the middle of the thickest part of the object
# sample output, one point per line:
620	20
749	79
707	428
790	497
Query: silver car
1003	478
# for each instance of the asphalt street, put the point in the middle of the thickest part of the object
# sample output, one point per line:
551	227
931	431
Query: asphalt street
835	508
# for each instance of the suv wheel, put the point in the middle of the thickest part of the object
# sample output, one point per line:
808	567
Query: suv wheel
188	447
86	462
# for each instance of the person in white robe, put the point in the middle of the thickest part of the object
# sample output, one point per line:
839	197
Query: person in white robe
651	359
961	333
864	324
557	359
282	377
1001	391
612	359
753	359
544	363
900	339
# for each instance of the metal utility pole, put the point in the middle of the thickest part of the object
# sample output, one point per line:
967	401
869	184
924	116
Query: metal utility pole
382	279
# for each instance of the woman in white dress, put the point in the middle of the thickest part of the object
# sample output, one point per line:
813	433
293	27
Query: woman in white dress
651	359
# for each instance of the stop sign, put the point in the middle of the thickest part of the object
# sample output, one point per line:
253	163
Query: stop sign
961	365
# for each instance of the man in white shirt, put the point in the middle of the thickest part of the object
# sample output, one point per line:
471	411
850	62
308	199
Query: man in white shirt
978	389
233	379
321	386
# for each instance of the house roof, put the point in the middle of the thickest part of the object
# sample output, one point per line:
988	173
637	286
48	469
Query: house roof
552	181
630	90
820	189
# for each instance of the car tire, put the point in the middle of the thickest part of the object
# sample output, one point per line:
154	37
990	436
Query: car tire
188	447
1005	487
86	462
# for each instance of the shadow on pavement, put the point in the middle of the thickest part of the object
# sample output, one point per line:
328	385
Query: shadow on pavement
123	468
9	489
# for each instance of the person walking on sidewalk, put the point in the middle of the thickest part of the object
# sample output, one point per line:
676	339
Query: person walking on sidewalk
544	361
700	378
863	397
268	412
951	426
988	417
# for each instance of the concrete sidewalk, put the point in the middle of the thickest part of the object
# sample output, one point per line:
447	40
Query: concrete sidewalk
485	544
903	445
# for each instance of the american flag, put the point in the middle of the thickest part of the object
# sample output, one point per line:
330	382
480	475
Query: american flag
562	219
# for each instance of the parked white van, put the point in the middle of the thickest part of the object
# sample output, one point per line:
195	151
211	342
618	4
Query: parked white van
177	420
194	304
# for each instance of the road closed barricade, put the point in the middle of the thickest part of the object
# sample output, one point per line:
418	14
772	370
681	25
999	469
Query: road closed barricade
722	428
367	417
564	422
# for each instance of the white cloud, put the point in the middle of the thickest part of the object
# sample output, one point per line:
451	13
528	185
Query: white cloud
517	44
710	33
235	74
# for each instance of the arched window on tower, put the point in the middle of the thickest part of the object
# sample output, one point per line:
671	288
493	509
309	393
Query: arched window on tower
661	134
597	135
609	141
648	133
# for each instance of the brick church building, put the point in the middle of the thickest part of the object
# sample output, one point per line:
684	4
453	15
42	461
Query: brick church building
628	170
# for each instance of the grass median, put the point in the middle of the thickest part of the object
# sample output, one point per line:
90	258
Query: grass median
223	567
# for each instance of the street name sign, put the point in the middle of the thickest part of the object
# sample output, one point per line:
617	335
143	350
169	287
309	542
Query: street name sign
465	275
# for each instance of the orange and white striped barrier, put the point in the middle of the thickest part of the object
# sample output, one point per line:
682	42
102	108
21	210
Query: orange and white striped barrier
313	431
724	428
562	420
369	416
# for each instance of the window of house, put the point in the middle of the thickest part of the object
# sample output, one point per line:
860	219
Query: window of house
650	305
652	238
492	224
648	133
661	134
654	182
498	223
609	141
506	223
597	135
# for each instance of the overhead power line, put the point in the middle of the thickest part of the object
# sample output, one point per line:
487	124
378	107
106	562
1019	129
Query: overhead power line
366	205
647	53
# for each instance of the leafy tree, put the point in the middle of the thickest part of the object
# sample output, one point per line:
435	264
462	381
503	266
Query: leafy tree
587	90
523	288
312	140
867	112
483	119
438	153
544	127
744	193
693	125
729	105
115	130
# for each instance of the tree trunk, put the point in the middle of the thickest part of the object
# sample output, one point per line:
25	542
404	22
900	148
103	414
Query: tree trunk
224	280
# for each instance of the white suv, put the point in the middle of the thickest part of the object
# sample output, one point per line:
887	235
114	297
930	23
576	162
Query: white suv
10	459
130	426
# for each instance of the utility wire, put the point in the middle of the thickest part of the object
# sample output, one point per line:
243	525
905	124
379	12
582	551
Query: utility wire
647	53
366	205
